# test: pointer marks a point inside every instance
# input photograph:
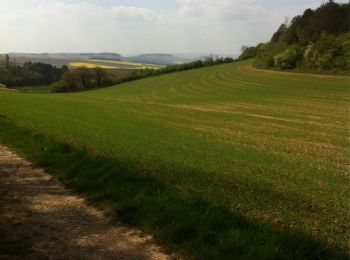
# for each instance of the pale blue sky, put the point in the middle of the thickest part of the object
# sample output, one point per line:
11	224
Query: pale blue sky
168	4
154	4
142	26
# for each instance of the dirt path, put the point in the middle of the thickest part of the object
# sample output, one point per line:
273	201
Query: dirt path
40	219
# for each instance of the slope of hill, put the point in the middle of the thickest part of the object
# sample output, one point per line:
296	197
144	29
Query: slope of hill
68	56
215	162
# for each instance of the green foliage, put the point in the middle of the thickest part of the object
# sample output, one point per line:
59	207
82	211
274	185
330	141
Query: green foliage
248	53
266	53
209	61
330	17
30	74
277	35
70	81
288	59
329	53
81	79
86	77
100	76
311	42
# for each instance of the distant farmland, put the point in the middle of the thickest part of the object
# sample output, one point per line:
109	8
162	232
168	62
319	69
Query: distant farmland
111	64
52	61
90	63
258	147
126	64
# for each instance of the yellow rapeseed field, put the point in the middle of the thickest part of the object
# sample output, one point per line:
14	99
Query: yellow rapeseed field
90	65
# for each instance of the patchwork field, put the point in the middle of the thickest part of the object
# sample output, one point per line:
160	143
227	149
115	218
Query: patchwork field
111	64
272	148
91	63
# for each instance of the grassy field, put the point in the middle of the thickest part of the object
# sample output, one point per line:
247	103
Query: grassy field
35	89
250	162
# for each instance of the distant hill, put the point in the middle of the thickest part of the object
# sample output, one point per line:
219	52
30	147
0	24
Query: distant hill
68	56
59	59
105	56
171	59
318	40
161	59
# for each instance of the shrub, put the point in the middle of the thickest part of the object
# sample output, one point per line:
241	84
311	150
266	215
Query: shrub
266	53
287	59
70	81
270	62
329	53
248	53
100	76
86	77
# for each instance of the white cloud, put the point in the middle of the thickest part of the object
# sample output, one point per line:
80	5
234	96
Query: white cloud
220	10
220	26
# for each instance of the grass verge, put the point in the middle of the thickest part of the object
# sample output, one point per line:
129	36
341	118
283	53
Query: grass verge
188	225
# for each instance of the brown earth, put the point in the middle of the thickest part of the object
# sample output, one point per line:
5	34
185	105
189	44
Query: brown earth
40	219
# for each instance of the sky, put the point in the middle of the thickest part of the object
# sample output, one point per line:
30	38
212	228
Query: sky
142	26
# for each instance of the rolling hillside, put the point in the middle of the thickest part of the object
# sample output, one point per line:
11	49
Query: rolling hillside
269	147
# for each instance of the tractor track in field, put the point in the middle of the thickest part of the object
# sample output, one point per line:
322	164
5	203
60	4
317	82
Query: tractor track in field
40	219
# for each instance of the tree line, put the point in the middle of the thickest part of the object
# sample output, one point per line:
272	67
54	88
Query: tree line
81	79
317	40
28	74
330	18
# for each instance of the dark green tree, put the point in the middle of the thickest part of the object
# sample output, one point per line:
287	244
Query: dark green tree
7	61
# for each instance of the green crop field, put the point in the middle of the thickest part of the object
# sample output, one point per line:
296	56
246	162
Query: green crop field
270	148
